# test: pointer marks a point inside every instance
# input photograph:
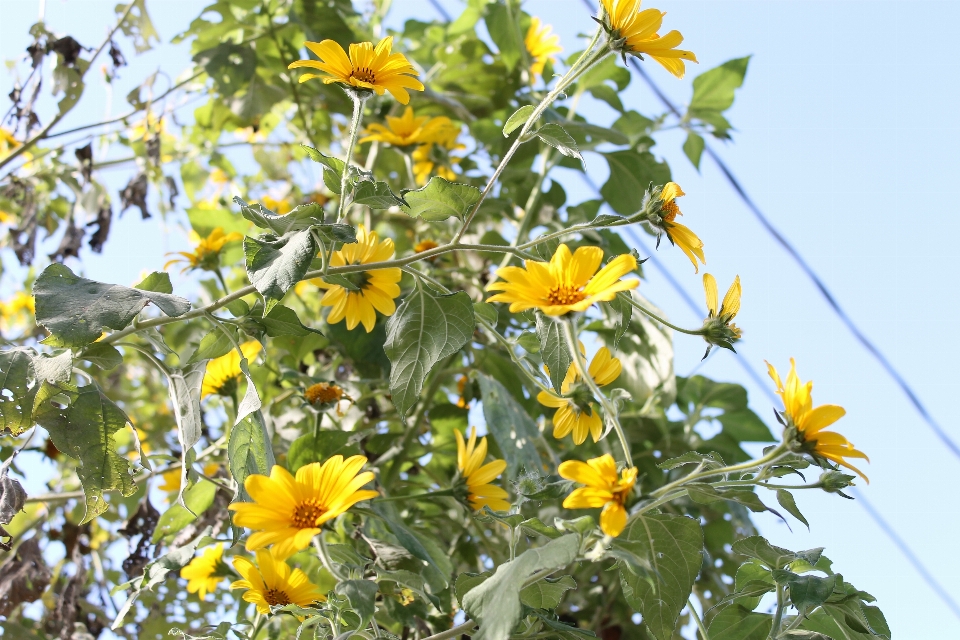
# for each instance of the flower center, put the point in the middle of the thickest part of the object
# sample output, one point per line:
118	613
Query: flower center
364	74
305	515
565	294
669	210
275	597
322	393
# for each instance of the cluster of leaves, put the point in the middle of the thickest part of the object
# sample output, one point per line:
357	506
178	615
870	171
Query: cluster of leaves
111	399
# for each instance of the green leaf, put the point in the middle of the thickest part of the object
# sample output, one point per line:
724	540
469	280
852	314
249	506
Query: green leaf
555	136
196	500
758	547
184	386
82	423
564	631
713	90
467	581
337	233
505	33
283	321
786	500
510	425
331	166
750	573
424	330
249	451
547	593
410	540
553	349
19	384
274	265
631	173
749	595
376	195
487	312
440	199
693	147
302	217
317	447
69	81
496	604
806	592
518	119
709	461
76	310
738	623
362	595
137	25
103	355
341	281
216	344
158	281
529	342
624	309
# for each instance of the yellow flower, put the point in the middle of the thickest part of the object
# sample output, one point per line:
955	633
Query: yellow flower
223	372
289	511
368	67
604	489
206	255
569	282
377	288
425	245
718	327
205	572
271	582
679	234
18	310
634	31
571	416
7	142
810	421
171	479
541	44
324	393
435	158
280	207
408	130
470	457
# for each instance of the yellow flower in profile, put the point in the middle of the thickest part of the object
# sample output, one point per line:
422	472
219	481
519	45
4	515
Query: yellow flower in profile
407	130
280	207
435	158
206	255
477	476
810	421
377	288
205	571
678	234
424	245
570	416
223	373
718	328
604	489
272	583
289	511
541	44
635	32
367	67
569	282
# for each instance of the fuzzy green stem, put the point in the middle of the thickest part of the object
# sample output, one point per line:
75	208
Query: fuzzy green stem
358	102
774	454
636	305
696	618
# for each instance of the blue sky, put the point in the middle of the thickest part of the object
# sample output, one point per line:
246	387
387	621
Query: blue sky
846	137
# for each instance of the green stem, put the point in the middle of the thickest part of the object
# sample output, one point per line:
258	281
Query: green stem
358	102
774	454
636	305
696	618
609	411
444	493
778	617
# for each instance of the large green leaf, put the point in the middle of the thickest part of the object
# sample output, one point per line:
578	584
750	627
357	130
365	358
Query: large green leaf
770	555
196	500
76	310
496	603
739	623
362	595
553	349
424	330
713	90
376	195
505	32
302	217
18	384
249	451
806	592
184	385
274	265
82	423
510	425
631	172
547	593
440	199
670	546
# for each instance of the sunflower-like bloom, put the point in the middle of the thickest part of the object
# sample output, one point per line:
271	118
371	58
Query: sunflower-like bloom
665	222
810	421
425	245
435	157
17	311
367	67
377	289
477	476
604	489
635	32
571	416
223	372
323	395
569	282
280	207
408	130
289	511
172	478
206	255
718	327
541	44
206	571
272	583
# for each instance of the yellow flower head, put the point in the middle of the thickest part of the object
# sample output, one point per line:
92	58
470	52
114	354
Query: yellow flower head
271	582
665	222
7	142
569	282
323	393
17	311
718	327
223	372
408	130
635	32
367	67
810	421
425	245
205	571
470	457
280	207
435	157
377	288
541	44
573	416
604	489
206	255
289	511
172	478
